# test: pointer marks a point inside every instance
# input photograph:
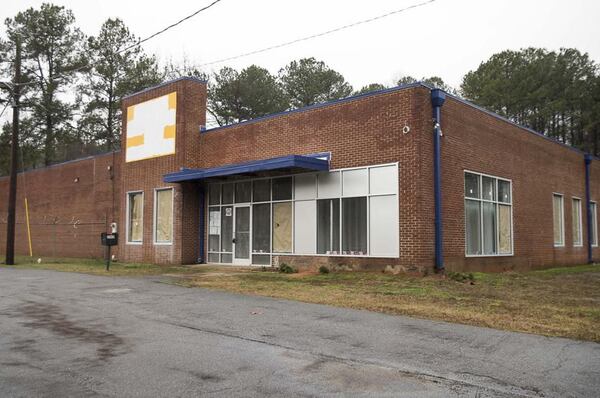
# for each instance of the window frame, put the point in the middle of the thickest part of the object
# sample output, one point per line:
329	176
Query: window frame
580	221
594	218
128	218
497	203
562	219
341	195
155	216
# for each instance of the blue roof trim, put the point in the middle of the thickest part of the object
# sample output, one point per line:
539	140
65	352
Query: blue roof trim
392	89
191	78
283	162
319	105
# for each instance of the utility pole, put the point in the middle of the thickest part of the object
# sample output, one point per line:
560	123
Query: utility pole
14	150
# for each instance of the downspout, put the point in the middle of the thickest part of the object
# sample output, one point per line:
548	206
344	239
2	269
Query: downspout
437	100
588	203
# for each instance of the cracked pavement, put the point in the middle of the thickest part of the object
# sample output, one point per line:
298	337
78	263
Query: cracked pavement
66	334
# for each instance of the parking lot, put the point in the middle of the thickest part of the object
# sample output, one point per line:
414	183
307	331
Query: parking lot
67	334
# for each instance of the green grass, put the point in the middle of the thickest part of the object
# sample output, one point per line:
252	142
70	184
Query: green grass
554	302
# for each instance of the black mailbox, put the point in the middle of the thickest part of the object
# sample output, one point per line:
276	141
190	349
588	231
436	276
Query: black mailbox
109	239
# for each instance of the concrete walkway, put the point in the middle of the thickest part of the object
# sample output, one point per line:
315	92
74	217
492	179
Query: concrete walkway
64	334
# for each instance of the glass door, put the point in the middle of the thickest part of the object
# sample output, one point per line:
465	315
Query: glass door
241	235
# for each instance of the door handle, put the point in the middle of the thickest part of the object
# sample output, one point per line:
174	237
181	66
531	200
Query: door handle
233	240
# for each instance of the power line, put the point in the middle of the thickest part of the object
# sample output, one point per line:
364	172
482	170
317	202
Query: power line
139	42
169	27
344	27
4	109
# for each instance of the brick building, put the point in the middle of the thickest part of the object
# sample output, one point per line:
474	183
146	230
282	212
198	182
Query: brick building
408	177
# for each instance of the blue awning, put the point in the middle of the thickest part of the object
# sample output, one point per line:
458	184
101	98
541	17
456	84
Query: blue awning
290	162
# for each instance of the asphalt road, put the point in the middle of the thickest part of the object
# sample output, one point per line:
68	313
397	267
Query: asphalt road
64	334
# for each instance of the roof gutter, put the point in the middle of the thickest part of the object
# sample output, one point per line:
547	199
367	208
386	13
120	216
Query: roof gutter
437	100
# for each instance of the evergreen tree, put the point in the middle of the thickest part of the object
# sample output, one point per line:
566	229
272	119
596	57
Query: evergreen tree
53	58
236	96
370	87
308	81
114	73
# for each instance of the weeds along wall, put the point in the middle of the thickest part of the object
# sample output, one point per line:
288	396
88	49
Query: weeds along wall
70	204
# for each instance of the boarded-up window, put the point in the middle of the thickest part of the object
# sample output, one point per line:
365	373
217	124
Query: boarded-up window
577	230
505	229
282	227
135	214
163	222
558	220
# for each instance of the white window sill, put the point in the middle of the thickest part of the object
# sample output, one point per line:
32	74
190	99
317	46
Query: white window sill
488	255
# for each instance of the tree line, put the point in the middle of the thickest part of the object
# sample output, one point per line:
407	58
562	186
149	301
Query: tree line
74	84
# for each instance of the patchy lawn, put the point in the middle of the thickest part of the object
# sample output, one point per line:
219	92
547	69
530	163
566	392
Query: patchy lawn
555	302
98	267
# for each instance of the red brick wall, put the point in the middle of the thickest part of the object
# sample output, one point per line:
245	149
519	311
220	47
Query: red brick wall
476	141
146	175
358	132
66	216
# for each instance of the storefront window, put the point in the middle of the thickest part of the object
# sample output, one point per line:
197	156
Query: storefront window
354	226
324	213
282	188
328	226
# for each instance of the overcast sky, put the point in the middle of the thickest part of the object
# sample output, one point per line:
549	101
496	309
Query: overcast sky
446	38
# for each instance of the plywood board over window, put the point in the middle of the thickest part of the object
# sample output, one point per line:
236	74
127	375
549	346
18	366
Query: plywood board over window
577	221
135	215
282	227
558	219
163	221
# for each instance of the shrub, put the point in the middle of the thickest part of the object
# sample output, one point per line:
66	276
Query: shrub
286	269
461	276
323	270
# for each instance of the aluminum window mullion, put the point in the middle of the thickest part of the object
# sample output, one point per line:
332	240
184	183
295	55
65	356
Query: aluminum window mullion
341	250
368	205
496	216
331	226
481	239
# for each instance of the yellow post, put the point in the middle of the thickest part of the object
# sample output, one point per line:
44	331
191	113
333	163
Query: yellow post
28	228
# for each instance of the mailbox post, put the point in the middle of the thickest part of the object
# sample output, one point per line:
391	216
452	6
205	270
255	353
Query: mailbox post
109	240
